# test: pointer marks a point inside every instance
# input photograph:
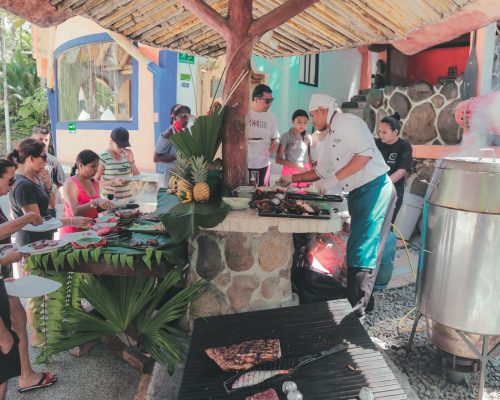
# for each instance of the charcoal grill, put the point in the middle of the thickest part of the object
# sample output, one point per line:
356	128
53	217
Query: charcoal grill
303	330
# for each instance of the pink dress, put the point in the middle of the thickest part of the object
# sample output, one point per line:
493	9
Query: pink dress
83	198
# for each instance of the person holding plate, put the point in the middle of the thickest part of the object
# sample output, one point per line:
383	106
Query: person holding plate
81	190
14	357
32	192
117	163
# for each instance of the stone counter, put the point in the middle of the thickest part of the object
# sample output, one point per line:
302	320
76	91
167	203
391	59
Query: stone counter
247	261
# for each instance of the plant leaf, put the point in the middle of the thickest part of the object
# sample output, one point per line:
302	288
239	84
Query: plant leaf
107	258
123	260
85	255
130	262
96	253
147	261
158	255
115	258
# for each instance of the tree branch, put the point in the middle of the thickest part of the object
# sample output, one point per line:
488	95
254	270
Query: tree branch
279	16
208	15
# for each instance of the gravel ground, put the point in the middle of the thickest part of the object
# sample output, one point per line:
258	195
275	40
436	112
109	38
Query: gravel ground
424	374
99	375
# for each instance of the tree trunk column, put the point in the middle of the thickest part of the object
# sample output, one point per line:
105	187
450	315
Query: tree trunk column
234	142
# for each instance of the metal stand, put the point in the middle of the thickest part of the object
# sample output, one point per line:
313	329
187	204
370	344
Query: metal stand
484	356
413	330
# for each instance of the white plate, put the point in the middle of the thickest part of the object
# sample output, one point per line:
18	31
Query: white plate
74	236
140	177
100	225
124	202
236	203
28	249
48	225
31	286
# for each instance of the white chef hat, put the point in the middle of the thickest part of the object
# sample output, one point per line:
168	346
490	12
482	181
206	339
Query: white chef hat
324	101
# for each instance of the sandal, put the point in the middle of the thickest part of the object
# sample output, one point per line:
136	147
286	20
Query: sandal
46	379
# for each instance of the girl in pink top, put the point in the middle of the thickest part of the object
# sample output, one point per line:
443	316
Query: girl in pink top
81	190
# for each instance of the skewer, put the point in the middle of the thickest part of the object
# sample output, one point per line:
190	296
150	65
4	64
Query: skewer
234	87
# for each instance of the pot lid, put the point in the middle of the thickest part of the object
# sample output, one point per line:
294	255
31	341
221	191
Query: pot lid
472	164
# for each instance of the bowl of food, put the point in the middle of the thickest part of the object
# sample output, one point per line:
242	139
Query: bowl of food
236	203
244	191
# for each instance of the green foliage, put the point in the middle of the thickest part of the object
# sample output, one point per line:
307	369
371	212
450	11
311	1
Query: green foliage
26	98
203	138
123	302
183	220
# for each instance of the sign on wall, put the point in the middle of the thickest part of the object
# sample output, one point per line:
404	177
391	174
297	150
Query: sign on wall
186	58
72	127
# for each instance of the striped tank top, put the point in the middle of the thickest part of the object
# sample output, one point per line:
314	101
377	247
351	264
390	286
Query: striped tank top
114	169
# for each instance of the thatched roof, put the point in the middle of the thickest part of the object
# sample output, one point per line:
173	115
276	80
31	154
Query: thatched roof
326	25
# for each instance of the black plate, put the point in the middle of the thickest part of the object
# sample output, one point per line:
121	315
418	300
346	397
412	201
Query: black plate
316	197
302	216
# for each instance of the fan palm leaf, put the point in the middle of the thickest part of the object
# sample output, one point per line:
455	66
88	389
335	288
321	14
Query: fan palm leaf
121	302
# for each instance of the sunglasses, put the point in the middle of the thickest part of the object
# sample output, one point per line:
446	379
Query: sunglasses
12	181
43	157
267	101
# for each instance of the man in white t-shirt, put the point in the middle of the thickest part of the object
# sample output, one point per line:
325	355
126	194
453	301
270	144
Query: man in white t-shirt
262	133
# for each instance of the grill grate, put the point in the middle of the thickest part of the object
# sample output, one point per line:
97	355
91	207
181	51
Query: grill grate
276	371
302	330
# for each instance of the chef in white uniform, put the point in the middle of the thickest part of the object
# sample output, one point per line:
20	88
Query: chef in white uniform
348	155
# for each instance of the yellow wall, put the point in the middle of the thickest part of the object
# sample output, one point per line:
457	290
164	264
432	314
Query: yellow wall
142	140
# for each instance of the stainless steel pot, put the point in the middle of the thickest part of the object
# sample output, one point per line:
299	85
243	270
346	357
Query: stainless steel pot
459	268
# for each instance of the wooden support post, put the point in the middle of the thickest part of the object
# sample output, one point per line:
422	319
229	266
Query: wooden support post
241	32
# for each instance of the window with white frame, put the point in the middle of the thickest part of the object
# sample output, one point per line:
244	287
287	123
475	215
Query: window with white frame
309	69
94	83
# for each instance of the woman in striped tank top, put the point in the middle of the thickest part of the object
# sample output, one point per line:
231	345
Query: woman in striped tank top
115	164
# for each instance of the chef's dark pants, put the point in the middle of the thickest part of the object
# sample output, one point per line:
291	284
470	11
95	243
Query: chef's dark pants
360	281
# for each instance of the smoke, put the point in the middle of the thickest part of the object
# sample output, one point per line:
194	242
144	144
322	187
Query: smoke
484	124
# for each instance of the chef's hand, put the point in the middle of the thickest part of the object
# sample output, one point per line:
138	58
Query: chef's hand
33	218
11	256
284	181
6	340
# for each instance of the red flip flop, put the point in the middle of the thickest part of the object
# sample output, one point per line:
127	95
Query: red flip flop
46	379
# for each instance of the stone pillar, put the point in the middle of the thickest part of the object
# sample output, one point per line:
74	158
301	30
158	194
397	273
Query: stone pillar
244	271
485	50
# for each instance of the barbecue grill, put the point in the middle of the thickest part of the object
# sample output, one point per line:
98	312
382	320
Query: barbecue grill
458	277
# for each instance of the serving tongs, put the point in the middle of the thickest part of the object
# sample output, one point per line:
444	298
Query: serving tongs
315	197
289	364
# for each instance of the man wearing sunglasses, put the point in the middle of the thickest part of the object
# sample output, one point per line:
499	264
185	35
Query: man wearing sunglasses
262	133
53	167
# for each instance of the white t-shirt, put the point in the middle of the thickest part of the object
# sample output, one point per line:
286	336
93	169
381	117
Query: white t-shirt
262	130
349	136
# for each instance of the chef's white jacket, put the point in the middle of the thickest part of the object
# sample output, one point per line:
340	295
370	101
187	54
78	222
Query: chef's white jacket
349	136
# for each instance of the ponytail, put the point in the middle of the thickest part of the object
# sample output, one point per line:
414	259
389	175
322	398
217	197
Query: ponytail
394	121
74	168
13	156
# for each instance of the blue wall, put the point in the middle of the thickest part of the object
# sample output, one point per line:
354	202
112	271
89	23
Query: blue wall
339	73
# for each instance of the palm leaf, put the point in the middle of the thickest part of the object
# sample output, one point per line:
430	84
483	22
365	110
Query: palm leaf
203	138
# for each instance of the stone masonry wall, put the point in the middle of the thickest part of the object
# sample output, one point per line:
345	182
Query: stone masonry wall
427	117
244	271
427	112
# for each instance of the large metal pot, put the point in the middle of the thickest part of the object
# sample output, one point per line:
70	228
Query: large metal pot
459	271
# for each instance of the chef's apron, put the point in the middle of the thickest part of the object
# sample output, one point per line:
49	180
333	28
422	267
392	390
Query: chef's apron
368	206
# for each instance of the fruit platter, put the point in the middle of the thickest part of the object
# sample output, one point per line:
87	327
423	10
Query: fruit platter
279	204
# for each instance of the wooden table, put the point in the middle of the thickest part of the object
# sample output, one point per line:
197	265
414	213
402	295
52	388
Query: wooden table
302	330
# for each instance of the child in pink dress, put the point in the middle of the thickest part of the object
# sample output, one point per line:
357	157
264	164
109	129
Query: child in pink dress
294	151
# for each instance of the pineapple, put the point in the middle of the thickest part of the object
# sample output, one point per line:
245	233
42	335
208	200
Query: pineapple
201	191
181	171
172	184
